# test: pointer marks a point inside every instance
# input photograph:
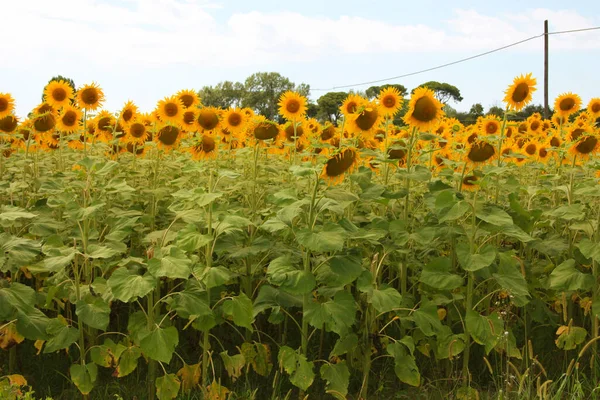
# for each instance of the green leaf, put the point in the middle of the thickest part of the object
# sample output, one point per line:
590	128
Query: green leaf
108	354
16	214
191	303
566	277
568	212
167	387
404	364
509	278
337	377
174	266
570	337
58	259
84	376
344	344
485	330
190	240
97	251
457	211
270	297
300	371
63	336
282	272
337	314
589	249
329	238
385	300
475	262
94	312
233	364
437	275
207	198
427	320
159	344
240	309
32	324
127	286
213	276
128	361
494	215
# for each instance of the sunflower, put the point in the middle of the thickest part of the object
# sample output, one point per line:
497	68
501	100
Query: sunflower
68	119
365	120
263	129
105	126
587	145
531	148
7	104
289	133
535	126
208	119
390	101
567	104
327	132
44	118
313	126
575	132
8	124
58	94
128	113
469	183
424	110
489	125
90	97
136	132
170	110
147	119
543	153
248	112
188	98
292	106
234	121
351	104
558	120
205	148
518	95
168	136
339	164
188	120
396	149
593	107
480	152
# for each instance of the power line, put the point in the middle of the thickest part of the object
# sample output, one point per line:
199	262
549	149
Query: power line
457	61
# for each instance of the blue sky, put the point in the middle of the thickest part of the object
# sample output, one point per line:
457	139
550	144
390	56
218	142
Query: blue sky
144	50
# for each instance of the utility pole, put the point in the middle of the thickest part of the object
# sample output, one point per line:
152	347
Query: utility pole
546	108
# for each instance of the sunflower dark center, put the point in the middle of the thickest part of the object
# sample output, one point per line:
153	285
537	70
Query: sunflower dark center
44	123
189	117
491	128
469	180
567	104
137	130
265	131
327	133
555	142
289	132
523	127
351	107
208	144
395	153
59	94
530	149
481	152
3	104
292	106
69	118
208	120
171	109
131	148
340	163
127	115
543	152
367	119
187	100
595	107
45	108
425	110
521	92
576	133
587	145
104	124
234	119
8	124
168	135
535	125
24	133
389	101
472	138
89	96
509	132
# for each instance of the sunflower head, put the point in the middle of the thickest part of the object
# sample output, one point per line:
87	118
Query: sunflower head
262	129
7	104
489	125
170	110
470	183
188	119
208	119
365	120
136	132
390	101
128	113
8	124
69	119
234	120
188	98
567	104
593	107
58	93
424	110
519	94
292	106
480	152
351	104
206	147
168	136
44	118
90	97
340	164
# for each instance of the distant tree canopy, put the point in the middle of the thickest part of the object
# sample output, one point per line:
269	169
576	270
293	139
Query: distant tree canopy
69	81
373	91
329	106
443	91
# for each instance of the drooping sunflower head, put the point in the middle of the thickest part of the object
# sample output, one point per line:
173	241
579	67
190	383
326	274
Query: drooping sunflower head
519	94
470	183
188	98
170	110
351	104
128	113
8	124
262	129
365	120
44	118
593	107
327	132
58	94
544	152
567	104
292	106
340	164
208	119
575	132
480	152
234	120
587	145
69	119
390	101
294	132
424	110
531	149
168	136
105	126
490	125
90	97
206	147
7	104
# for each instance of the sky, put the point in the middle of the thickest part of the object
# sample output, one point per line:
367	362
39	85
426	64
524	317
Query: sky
144	50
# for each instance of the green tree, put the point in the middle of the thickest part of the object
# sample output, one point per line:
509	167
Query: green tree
496	110
373	91
224	94
262	91
329	106
476	110
443	91
69	81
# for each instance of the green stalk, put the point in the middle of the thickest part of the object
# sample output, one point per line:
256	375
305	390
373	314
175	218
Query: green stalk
385	154
403	265
469	300
499	153
152	364
208	259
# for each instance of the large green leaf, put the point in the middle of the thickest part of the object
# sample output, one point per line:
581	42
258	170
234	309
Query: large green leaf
456	211
337	314
127	286
282	272
483	329
569	337
128	361
300	370
93	311
437	275
385	300
509	278
337	377
175	265
159	344
566	277
427	320
239	308
475	261
84	376
404	364
62	336
494	215
329	238
190	303
589	249
167	387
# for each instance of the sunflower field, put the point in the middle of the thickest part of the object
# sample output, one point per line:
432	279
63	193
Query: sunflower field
201	253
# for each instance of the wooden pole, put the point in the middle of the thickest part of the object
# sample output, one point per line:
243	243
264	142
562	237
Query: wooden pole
546	108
